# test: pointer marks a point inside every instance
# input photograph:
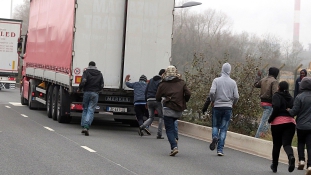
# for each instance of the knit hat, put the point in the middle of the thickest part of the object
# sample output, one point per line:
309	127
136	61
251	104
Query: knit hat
161	71
143	78
171	71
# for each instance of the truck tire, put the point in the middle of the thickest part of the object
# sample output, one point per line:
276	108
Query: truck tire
63	106
54	102
30	91
24	101
49	101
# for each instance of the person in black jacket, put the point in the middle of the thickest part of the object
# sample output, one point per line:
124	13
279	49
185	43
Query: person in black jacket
92	83
303	73
283	126
153	105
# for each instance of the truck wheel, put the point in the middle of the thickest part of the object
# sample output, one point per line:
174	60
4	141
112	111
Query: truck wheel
54	102
24	101
30	96
63	106
49	101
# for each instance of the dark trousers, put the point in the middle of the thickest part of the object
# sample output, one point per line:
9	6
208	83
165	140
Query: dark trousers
304	138
141	111
282	135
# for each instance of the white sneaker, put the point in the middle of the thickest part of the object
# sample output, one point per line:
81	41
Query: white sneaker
301	165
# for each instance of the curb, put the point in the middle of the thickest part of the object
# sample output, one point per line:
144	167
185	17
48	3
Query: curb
240	142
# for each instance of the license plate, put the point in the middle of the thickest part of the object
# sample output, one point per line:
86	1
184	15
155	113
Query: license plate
116	109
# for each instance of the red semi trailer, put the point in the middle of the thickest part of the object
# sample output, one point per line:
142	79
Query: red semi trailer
121	36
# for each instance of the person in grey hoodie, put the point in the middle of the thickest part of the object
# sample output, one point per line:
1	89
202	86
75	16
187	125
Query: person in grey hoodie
223	94
302	109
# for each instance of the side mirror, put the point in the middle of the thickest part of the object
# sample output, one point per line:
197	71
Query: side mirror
20	45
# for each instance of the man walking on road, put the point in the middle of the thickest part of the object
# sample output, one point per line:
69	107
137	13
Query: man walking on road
92	83
176	94
223	94
268	85
153	105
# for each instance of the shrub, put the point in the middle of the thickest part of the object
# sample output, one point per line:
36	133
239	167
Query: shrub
199	75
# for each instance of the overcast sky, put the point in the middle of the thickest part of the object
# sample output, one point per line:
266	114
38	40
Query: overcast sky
261	17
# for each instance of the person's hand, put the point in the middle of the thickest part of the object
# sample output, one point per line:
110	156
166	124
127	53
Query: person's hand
287	109
127	78
259	73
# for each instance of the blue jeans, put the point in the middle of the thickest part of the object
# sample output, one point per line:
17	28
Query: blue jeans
90	100
176	129
221	119
263	126
170	127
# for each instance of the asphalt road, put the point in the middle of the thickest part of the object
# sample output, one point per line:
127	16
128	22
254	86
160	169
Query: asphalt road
33	144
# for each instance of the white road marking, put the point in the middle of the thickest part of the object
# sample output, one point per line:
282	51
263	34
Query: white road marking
7	106
15	104
50	129
89	149
24	115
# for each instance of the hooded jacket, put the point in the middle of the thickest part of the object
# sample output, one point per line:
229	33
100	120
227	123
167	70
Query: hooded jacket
302	105
268	85
152	88
92	80
175	92
224	90
280	102
297	82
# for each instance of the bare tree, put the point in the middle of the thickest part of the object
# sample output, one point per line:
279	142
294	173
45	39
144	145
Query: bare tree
292	54
21	12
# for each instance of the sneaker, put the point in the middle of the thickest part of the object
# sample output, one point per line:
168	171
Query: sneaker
86	133
140	132
308	171
160	137
147	131
291	164
274	168
212	146
220	153
174	152
301	165
83	131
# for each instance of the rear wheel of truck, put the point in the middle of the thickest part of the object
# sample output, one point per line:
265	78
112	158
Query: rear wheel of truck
54	102
63	106
30	91
49	101
24	101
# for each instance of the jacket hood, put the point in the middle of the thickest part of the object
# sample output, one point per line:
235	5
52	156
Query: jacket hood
305	71
286	95
170	78
157	77
226	69
305	84
92	70
273	71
